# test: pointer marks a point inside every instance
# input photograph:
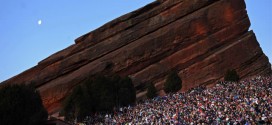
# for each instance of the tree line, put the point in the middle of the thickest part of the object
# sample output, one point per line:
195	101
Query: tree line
22	104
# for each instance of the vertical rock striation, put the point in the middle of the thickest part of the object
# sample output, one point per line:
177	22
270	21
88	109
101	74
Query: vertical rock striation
201	39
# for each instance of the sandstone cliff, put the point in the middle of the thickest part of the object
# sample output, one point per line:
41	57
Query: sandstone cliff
200	39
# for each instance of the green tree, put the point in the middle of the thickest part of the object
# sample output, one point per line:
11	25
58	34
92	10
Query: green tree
78	104
100	93
231	75
151	91
173	83
102	90
126	92
21	104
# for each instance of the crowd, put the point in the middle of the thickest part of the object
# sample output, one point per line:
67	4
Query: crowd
248	102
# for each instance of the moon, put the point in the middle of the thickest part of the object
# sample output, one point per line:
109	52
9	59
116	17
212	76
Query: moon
39	22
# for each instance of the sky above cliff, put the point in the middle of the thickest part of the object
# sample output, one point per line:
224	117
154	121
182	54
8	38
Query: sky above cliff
31	30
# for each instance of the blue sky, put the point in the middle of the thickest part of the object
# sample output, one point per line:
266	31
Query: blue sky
24	43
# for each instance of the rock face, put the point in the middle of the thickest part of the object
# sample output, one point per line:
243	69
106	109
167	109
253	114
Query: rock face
201	39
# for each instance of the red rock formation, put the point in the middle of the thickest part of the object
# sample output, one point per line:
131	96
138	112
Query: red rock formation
200	39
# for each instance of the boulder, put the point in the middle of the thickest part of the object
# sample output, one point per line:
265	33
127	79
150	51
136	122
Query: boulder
200	39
